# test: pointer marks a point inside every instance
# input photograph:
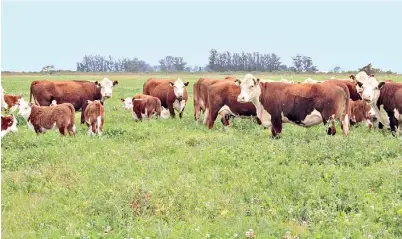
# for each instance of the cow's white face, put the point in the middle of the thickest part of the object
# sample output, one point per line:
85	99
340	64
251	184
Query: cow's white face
24	109
370	90
106	87
127	103
178	87
250	89
15	107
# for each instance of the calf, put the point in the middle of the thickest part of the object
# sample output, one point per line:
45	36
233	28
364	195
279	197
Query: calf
94	117
172	94
222	99
360	111
42	118
128	105
301	104
8	124
146	106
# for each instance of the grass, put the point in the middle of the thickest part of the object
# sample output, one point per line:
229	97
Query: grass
177	179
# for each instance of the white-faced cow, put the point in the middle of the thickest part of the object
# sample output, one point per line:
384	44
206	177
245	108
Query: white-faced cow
301	104
77	93
385	98
8	124
172	94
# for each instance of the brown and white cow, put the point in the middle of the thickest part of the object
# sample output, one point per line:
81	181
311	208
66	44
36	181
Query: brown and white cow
42	118
200	95
77	92
144	106
361	111
128	105
8	124
94	117
172	94
222	99
385	98
301	104
12	101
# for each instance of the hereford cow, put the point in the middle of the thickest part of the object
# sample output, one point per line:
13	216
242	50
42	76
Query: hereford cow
75	92
8	124
128	105
172	94
200	95
222	98
12	101
42	118
302	104
386	101
361	111
94	117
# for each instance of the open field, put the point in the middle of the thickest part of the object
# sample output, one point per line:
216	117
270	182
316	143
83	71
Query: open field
177	179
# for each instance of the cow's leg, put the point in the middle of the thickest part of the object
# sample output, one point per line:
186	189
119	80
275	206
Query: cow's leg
84	106
276	127
150	113
70	130
197	111
213	113
392	123
380	125
331	130
93	127
62	130
181	113
101	126
139	115
206	115
171	110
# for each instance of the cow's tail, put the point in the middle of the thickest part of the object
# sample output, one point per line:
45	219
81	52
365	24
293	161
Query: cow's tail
31	94
197	109
72	117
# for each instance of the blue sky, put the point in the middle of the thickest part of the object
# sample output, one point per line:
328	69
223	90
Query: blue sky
348	34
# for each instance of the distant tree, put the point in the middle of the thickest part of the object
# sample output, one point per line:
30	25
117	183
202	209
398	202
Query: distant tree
298	63
337	69
49	69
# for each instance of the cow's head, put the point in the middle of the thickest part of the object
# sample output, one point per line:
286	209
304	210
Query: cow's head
19	99
178	87
165	113
10	122
106	87
249	88
127	103
370	90
24	108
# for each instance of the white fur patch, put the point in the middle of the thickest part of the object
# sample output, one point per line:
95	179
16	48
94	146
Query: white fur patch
264	116
312	119
397	115
98	123
179	106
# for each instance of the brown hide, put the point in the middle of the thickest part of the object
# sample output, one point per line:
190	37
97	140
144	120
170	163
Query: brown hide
150	104
46	116
161	89
200	94
93	110
225	93
391	99
296	101
354	95
12	100
359	112
6	122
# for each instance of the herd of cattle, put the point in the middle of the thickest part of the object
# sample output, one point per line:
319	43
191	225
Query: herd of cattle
361	98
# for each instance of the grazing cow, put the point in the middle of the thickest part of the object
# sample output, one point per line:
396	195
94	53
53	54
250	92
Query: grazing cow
8	124
200	95
361	111
42	118
224	94
75	92
94	117
12	101
301	104
172	94
144	106
386	101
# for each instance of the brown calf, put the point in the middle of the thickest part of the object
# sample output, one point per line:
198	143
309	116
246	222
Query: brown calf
146	106
94	117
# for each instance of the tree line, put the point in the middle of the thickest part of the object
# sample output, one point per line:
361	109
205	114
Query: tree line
217	62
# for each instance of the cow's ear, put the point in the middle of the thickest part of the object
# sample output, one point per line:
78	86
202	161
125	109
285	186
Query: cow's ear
371	75
122	100
258	81
171	83
359	83
186	84
381	84
97	83
115	82
237	81
353	77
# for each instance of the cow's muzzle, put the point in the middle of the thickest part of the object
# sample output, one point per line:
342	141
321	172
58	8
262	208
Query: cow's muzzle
180	98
